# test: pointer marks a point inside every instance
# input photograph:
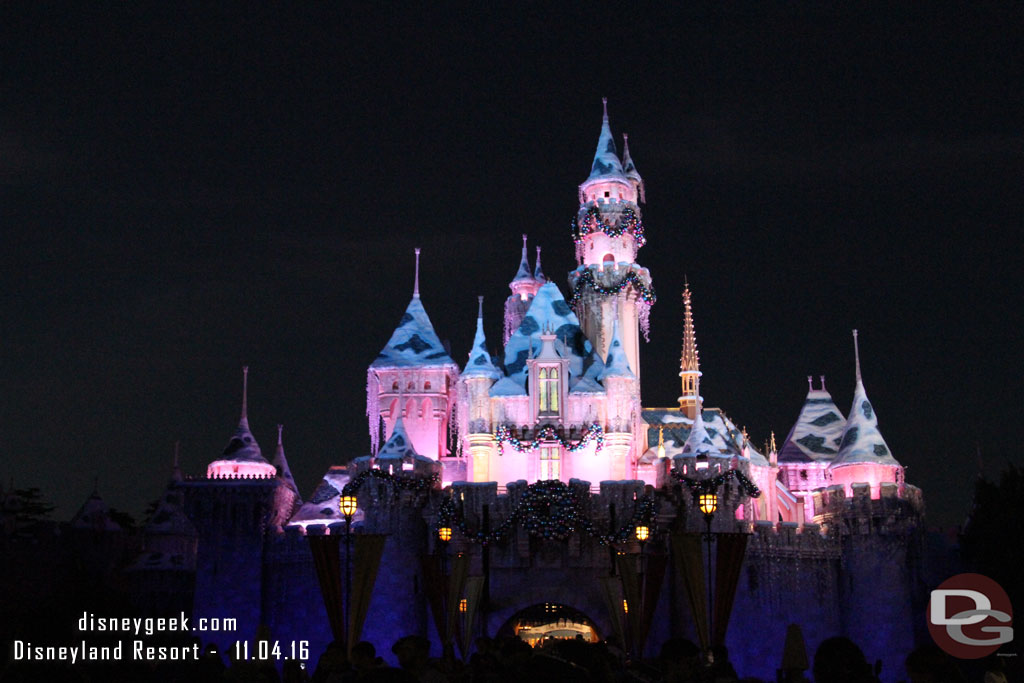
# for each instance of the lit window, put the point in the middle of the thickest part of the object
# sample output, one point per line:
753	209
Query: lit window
549	393
426	386
550	462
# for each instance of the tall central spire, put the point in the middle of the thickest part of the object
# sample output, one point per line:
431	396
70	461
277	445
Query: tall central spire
245	395
689	363
416	281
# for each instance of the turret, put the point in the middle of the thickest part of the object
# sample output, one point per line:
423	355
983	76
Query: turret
413	376
286	496
524	287
242	457
608	284
475	417
863	456
689	364
622	408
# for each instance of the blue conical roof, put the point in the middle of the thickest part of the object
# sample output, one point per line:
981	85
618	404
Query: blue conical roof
862	442
398	445
606	158
524	266
414	342
616	365
817	432
480	363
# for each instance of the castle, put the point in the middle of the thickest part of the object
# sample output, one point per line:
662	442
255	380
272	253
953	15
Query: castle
834	532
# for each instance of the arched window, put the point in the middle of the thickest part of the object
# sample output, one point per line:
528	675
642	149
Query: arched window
394	386
550	462
548	380
426	386
608	258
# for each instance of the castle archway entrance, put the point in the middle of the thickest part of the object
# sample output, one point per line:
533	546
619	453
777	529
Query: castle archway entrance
550	620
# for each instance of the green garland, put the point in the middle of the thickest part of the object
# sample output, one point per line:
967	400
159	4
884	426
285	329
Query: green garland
404	483
699	486
586	279
592	222
547	433
548	509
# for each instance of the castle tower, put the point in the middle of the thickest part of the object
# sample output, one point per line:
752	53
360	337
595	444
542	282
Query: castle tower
689	364
413	376
286	496
812	444
608	284
863	454
242	457
476	380
622	407
524	287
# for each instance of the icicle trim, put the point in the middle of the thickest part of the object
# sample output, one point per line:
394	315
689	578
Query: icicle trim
373	410
644	314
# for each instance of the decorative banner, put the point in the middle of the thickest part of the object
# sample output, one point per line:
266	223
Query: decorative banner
547	433
654	573
689	563
547	509
433	588
612	591
471	594
711	485
368	548
631	592
456	585
729	561
327	561
794	652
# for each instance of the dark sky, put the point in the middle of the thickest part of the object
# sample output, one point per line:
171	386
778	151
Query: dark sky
185	190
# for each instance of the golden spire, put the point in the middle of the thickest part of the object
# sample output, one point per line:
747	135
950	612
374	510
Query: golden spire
689	364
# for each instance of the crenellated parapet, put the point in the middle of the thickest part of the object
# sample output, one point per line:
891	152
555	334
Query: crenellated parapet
898	509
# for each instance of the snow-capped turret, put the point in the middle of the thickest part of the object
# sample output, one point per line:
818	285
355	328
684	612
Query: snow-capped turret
538	274
94	515
616	364
818	429
629	168
415	375
524	287
863	454
242	456
480	363
606	165
281	465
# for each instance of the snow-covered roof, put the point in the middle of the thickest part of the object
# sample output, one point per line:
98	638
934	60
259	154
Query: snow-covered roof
414	342
861	441
817	431
606	159
698	441
616	365
548	310
508	387
169	517
524	266
94	515
628	167
280	463
322	506
242	446
398	445
538	274
480	363
726	438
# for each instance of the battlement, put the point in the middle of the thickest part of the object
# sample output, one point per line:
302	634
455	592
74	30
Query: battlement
232	477
860	512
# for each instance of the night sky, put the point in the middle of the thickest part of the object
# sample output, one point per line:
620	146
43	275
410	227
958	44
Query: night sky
184	191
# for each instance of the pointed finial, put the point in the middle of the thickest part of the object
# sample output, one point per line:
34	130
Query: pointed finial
856	355
537	272
524	246
810	383
176	469
280	428
245	392
822	377
773	449
480	308
416	282
604	102
177	448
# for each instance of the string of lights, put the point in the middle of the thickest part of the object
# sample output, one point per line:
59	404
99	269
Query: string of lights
547	434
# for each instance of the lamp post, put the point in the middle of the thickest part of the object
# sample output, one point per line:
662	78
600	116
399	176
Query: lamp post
642	532
707	501
348	506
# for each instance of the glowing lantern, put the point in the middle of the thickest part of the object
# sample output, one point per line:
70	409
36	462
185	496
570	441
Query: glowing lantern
642	533
463	605
444	533
708	503
625	606
348	505
661	442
